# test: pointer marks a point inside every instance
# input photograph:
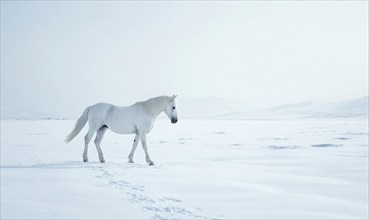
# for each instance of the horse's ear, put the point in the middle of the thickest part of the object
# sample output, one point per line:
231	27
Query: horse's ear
173	97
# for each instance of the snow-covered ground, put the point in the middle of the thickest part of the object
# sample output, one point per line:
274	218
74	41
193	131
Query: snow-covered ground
219	169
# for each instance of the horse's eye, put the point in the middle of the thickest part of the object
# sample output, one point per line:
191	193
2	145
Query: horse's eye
174	107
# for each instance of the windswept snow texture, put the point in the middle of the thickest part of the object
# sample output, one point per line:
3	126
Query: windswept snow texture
204	169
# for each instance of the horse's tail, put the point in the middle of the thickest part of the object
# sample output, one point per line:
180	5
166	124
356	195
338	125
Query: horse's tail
78	126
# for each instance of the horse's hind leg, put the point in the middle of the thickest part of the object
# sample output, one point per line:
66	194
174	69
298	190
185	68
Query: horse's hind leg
99	135
88	137
135	143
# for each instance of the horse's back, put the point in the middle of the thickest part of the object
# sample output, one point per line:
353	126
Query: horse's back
98	113
100	110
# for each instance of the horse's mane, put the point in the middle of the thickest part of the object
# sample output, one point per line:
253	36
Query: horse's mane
155	105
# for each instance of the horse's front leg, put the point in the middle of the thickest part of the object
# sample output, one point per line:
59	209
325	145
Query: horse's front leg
135	143
144	146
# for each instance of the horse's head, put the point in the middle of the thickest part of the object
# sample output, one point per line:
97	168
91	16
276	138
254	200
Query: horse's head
171	110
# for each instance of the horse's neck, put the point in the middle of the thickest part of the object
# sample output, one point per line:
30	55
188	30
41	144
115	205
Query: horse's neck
155	106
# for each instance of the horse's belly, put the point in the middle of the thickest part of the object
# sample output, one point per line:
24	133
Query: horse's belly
123	129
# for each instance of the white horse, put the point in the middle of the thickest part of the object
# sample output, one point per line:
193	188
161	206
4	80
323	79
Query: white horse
136	119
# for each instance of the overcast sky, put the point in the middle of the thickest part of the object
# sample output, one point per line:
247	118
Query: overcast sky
58	54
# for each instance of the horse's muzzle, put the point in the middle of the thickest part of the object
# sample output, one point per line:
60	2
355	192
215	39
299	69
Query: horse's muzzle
174	120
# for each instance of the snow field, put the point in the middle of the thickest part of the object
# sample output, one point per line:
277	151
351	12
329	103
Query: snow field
203	169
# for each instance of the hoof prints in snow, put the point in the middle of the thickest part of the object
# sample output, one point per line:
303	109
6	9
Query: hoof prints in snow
326	145
170	199
162	208
277	147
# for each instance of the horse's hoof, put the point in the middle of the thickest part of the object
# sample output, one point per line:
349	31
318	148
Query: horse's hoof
151	163
131	161
102	161
85	160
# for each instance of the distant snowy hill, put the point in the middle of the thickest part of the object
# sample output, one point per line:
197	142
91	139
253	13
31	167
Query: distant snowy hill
347	109
355	108
21	114
218	108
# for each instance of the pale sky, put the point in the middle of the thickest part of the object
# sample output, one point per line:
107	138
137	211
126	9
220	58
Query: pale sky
61	54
